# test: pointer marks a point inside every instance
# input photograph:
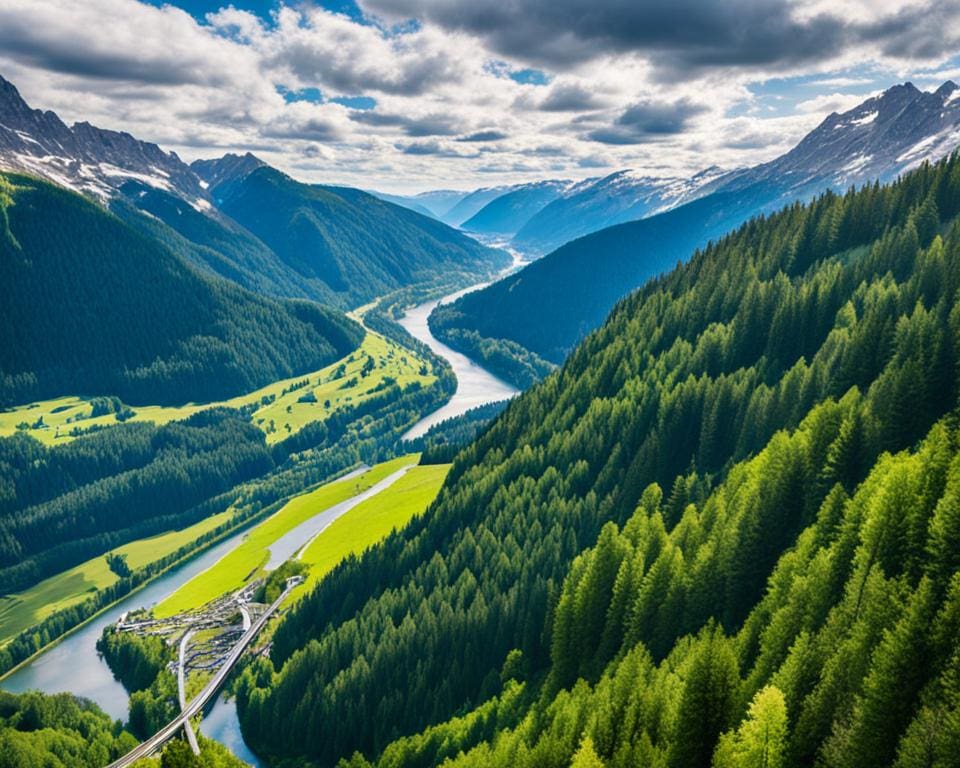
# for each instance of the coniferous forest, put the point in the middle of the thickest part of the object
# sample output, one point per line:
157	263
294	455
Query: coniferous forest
92	306
724	533
568	384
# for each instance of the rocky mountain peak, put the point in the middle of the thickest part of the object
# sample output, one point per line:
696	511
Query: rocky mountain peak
219	170
88	159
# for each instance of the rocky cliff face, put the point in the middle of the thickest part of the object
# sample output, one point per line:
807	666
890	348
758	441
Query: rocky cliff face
85	158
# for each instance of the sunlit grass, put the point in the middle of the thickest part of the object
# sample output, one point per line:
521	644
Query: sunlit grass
246	560
279	414
372	520
25	609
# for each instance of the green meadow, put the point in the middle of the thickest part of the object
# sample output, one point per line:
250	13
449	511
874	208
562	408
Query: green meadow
285	406
374	519
24	609
244	562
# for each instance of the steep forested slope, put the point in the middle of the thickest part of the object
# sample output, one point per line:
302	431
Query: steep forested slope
505	214
551	304
89	306
210	241
715	454
348	245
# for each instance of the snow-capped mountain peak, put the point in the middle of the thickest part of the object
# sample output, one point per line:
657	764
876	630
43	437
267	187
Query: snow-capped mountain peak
85	158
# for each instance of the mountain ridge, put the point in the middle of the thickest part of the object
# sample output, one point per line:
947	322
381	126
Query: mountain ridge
553	302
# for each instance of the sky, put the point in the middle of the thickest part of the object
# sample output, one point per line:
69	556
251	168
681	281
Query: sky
410	95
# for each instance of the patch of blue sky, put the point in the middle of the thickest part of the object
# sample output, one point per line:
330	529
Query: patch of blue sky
355	102
779	96
263	9
522	76
315	96
529	76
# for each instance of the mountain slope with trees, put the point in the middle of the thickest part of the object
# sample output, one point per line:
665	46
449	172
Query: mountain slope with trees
551	304
349	246
90	306
732	512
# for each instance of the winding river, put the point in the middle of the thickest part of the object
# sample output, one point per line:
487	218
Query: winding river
74	664
475	385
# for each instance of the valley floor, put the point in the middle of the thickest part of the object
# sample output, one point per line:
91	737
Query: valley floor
282	408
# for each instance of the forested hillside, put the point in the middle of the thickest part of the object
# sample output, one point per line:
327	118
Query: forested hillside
349	246
725	532
89	306
73	502
551	304
209	240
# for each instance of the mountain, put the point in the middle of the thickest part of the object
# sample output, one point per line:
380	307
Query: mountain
552	303
433	203
595	204
90	306
506	214
881	138
219	170
84	158
439	201
348	245
471	203
331	244
405	202
724	534
878	139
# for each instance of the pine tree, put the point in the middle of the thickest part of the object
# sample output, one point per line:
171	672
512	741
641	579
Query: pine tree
760	741
707	704
586	756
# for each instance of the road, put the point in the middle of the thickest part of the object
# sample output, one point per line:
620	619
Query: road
161	737
182	690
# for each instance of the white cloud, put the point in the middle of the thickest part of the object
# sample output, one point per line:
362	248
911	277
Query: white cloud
205	88
830	102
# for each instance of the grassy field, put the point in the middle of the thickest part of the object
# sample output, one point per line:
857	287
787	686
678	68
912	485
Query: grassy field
24	609
245	561
372	520
285	406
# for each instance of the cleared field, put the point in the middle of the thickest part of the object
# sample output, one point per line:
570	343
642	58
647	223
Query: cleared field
284	406
373	519
24	609
237	567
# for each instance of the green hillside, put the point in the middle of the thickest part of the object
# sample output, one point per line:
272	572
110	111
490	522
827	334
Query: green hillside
89	306
348	245
553	303
727	527
209	240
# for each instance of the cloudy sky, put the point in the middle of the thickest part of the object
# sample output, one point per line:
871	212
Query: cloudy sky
406	95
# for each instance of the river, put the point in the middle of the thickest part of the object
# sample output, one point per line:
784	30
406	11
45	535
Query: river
475	385
74	665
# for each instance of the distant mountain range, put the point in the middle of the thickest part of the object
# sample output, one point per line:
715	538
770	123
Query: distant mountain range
508	213
595	204
237	217
552	303
182	294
